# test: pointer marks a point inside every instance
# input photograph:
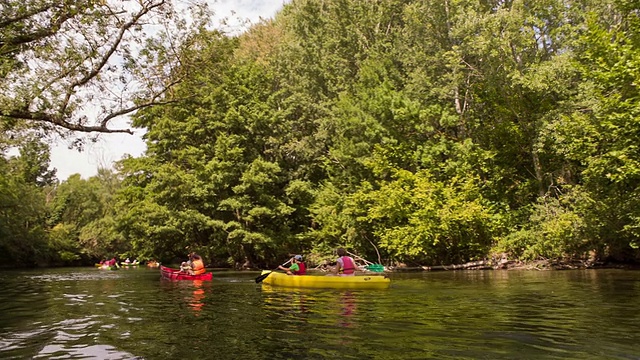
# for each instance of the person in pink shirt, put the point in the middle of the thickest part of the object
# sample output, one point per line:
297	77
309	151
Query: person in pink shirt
345	265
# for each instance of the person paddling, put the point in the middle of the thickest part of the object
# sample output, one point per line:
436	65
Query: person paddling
297	267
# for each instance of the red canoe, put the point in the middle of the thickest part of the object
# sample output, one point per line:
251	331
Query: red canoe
175	274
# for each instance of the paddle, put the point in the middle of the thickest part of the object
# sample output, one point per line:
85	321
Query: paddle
360	258
264	276
368	264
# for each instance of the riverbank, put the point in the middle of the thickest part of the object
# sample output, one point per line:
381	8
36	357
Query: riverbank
506	264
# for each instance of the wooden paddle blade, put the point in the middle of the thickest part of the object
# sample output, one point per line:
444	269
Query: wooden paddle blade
262	277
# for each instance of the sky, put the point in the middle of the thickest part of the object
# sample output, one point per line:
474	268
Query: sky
112	147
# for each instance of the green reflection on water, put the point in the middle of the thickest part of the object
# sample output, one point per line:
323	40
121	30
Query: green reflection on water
89	313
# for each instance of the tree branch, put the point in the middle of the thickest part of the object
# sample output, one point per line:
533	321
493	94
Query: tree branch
38	116
95	57
39	33
105	58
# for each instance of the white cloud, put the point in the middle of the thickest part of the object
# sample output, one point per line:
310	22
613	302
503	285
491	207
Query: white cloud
112	147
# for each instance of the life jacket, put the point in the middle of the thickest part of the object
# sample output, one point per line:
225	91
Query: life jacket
302	269
198	267
348	266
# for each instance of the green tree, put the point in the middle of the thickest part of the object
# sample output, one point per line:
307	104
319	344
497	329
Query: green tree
428	130
22	215
81	217
34	163
600	135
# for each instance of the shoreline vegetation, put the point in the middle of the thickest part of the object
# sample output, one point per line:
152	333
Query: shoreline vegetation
521	265
495	263
503	262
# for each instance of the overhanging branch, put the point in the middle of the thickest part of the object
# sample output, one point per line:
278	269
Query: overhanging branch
30	116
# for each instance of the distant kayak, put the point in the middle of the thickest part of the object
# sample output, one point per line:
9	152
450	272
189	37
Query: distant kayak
175	274
106	267
323	281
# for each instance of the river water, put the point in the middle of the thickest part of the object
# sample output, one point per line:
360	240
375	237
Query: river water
87	313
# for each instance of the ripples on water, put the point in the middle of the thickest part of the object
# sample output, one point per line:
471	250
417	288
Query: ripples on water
39	320
132	314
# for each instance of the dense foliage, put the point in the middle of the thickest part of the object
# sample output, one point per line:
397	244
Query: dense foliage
417	132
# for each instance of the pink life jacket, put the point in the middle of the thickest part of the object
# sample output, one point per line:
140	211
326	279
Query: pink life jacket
348	266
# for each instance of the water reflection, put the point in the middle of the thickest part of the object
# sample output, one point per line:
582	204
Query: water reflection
320	318
67	339
192	293
197	297
330	307
288	305
98	352
83	313
349	307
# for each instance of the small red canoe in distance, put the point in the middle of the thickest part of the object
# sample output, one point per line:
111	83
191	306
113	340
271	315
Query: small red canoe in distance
175	274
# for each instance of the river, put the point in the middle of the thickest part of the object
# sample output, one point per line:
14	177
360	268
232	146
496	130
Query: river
87	313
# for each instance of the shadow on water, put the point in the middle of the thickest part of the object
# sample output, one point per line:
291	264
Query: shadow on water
132	314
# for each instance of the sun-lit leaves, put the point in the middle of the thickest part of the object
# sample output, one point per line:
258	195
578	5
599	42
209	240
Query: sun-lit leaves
426	131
